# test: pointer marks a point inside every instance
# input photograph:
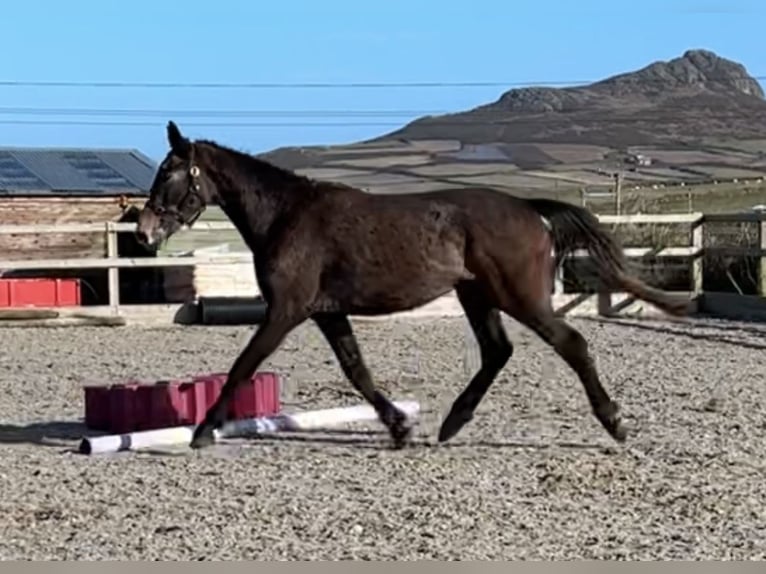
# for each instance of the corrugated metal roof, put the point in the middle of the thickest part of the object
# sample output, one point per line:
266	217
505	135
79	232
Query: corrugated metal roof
64	171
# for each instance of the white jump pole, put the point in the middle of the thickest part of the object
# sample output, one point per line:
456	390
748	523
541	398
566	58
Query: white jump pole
306	420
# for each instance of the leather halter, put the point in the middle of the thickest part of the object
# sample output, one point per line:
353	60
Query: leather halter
191	205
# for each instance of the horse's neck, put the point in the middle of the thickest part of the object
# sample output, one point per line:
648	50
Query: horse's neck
253	212
252	218
252	202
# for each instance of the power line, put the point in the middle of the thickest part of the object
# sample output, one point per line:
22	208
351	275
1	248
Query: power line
270	85
195	124
165	113
328	85
468	123
14	111
244	85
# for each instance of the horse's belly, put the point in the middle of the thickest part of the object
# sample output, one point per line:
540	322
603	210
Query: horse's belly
397	289
410	270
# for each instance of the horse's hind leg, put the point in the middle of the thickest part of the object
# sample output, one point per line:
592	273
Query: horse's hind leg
573	348
337	330
495	348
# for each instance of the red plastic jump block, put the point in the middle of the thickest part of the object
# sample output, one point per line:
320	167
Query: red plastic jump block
249	401
42	292
133	406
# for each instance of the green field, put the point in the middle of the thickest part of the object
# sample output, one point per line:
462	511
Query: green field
721	198
187	240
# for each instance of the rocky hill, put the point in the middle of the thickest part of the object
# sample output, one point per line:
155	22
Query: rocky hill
695	118
697	95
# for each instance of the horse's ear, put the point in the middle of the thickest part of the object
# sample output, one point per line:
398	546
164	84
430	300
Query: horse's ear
178	143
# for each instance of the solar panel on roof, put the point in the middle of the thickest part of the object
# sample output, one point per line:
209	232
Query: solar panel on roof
96	170
74	171
14	175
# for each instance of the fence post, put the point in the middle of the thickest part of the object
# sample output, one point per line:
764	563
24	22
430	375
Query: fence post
697	242
558	276
558	280
761	256
113	273
604	302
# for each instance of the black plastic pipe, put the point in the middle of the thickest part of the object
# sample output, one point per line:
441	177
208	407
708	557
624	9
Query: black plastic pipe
231	310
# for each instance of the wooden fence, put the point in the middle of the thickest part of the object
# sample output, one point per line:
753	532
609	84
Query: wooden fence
692	253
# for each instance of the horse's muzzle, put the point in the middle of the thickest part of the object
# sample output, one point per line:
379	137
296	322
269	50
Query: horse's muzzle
149	228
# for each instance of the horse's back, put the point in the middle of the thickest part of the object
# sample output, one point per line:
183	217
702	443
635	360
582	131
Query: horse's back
426	228
381	253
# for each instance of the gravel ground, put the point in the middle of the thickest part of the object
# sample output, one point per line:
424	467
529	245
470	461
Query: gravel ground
533	476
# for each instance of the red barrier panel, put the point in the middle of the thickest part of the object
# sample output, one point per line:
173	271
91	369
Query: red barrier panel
39	292
133	406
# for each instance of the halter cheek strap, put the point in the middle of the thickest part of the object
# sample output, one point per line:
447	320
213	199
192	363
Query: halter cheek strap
192	200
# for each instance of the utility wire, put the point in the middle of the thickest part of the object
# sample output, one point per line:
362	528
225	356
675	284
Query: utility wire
392	113
195	124
437	122
331	85
13	111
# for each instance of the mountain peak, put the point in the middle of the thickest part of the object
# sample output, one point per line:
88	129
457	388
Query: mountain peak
695	72
701	70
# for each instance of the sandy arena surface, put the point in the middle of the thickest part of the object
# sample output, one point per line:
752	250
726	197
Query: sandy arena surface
532	477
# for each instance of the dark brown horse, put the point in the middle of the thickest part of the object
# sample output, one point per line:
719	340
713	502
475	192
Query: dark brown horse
324	251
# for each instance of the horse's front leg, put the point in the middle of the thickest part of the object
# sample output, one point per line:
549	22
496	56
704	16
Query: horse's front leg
263	343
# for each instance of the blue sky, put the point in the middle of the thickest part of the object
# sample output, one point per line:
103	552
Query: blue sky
332	41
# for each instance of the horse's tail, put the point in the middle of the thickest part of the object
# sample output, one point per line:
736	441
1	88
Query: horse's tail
574	227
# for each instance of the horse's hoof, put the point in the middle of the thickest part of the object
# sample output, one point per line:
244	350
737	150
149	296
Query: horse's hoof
618	431
401	432
611	420
455	421
203	437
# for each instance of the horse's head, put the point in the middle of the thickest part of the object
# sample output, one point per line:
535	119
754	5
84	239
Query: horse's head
179	194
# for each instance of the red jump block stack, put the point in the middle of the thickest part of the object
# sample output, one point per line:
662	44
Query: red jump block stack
135	406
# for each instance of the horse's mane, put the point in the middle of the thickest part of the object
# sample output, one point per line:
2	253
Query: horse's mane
267	172
259	168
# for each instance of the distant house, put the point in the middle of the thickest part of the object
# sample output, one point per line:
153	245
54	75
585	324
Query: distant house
639	159
65	185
